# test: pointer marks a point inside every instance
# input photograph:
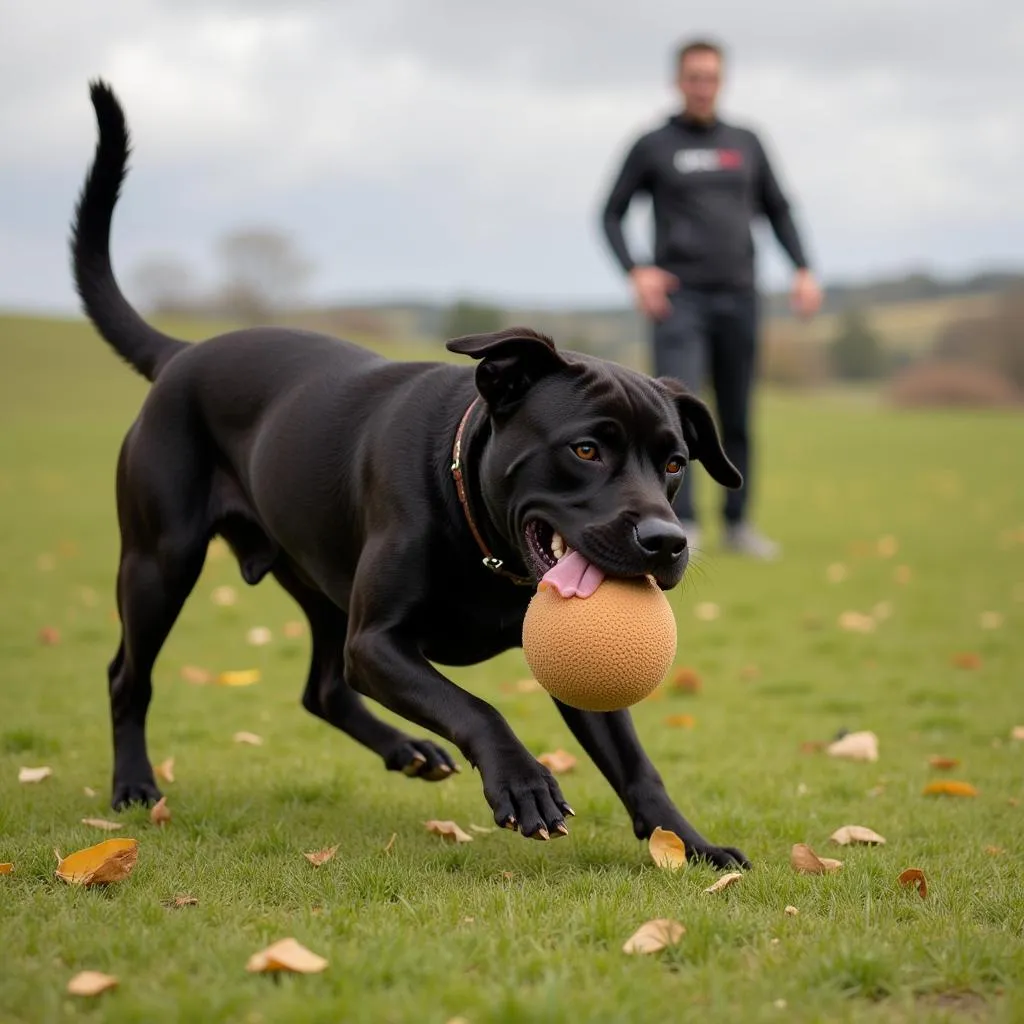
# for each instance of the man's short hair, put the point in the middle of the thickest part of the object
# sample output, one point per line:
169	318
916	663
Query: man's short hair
698	46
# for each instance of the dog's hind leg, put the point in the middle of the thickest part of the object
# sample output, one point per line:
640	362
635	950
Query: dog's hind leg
328	695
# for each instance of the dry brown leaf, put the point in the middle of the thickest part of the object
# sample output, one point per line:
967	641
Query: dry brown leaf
91	983
881	611
165	770
750	672
686	680
481	830
103	823
888	546
259	636
239	677
181	900
836	572
88	791
966	660
943	763
448	830
856	746
249	738
6	868
34	774
805	861
558	762
791	911
508	875
680	721
724	882
224	596
110	861
667	849
196	675
856	622
653	936
286	955
995	851
902	574
1017	732
318	857
812	746
914	877
949	787
49	636
160	813
294	629
849	835
707	611
391	842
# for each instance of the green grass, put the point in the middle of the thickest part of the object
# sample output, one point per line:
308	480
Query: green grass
430	932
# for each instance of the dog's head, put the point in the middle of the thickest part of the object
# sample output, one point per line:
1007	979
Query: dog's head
586	455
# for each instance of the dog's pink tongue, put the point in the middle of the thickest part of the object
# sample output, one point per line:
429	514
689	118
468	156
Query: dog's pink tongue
574	576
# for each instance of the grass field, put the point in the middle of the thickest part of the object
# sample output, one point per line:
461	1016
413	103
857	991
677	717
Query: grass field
503	929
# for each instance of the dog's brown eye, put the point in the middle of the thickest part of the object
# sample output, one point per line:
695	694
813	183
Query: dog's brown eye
587	452
674	466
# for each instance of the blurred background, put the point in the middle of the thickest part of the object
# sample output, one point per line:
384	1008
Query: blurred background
401	172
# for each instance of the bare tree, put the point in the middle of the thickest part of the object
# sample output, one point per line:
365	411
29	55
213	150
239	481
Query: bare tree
263	272
164	284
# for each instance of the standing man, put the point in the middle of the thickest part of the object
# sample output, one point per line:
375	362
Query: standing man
707	180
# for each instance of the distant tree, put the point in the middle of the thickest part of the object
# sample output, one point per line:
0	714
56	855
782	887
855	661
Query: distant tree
263	273
856	352
472	318
164	284
994	341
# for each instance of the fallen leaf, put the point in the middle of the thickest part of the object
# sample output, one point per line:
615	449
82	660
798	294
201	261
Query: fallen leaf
948	787
686	680
749	672
448	830
805	861
508	875
915	877
802	789
888	546
724	882
966	660
681	721
812	746
6	868
88	791
558	762
217	549
991	620
653	936
88	597
391	842
103	823
481	830
667	849
34	774
259	636
780	1004
849	835
902	574
856	622
239	677
791	911
294	629
1013	801
1017	732
836	572
160	813
856	746
995	851
224	596
527	686
196	675
707	611
943	763
882	611
49	636
249	738
286	955
165	770
318	857
91	983
110	861
182	900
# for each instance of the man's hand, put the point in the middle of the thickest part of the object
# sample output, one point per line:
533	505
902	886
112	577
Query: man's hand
651	289
805	296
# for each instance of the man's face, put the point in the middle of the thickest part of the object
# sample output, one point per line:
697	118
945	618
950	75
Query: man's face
700	78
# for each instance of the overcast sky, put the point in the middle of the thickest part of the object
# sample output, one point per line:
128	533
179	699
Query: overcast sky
446	147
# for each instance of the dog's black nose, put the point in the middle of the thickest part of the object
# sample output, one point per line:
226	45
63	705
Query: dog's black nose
661	538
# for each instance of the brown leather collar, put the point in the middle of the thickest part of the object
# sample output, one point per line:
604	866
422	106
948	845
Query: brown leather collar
496	565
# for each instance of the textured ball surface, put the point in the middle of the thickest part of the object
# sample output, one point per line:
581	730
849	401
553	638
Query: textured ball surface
603	652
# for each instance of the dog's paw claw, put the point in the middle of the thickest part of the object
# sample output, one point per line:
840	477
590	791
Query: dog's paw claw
421	759
532	803
128	793
720	857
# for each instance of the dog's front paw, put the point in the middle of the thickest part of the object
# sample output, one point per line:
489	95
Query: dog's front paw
134	791
720	857
529	801
421	759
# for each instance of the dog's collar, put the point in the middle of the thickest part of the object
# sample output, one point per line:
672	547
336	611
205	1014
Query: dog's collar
496	565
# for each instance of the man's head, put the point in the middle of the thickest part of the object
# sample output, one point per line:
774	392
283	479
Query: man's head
699	77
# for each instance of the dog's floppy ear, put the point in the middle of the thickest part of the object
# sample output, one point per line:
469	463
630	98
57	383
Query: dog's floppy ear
701	434
511	361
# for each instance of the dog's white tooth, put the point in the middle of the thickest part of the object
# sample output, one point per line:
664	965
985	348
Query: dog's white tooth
557	546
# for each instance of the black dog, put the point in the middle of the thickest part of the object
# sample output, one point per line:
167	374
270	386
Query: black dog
331	469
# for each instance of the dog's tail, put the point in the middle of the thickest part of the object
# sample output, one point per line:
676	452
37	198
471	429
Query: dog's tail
144	347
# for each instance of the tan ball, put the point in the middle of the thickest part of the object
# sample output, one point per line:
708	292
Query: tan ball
603	652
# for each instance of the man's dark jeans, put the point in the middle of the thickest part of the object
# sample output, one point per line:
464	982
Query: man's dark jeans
716	331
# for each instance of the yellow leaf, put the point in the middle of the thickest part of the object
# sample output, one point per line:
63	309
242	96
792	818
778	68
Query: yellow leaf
91	983
667	849
680	721
943	762
707	611
558	762
318	857
836	572
111	861
850	834
805	861
196	675
947	787
34	774
250	738
995	851
991	620
888	546
239	677
856	622
89	791
791	911
165	770
6	868
160	814
653	936
481	829
224	596
724	882
107	826
286	955
856	746
448	830
1017	732
915	877
259	636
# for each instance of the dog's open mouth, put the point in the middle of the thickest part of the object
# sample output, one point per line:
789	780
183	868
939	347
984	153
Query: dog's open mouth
557	564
